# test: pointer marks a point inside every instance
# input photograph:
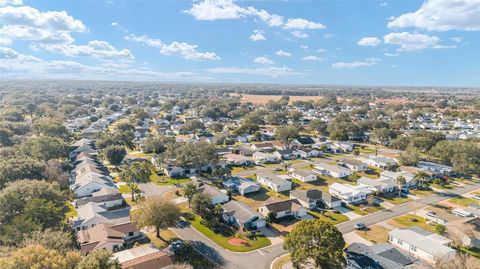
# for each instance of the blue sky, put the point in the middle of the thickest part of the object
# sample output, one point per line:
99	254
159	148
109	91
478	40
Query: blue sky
436	42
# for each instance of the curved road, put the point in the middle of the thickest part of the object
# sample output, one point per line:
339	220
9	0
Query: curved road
262	258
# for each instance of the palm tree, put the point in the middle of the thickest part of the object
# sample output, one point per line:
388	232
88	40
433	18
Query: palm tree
400	180
421	178
189	191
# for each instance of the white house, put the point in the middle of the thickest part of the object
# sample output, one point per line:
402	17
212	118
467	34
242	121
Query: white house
285	208
303	175
380	185
106	198
218	197
263	147
410	180
92	214
435	168
242	216
274	182
241	185
286	154
355	165
89	183
332	170
422	244
261	157
313	198
238	159
349	194
380	162
306	153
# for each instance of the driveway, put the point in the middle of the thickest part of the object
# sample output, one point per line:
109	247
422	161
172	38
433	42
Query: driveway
152	189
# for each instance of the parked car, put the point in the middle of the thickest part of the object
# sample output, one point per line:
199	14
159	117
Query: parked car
431	214
176	245
476	197
359	226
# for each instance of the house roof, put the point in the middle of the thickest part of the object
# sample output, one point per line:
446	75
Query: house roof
291	204
305	140
349	189
333	168
313	195
431	243
99	198
353	162
240	211
210	190
103	233
275	179
143	257
302	173
385	255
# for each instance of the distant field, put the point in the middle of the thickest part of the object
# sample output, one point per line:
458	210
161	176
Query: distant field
263	99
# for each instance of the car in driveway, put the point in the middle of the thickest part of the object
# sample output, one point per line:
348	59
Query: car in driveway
176	245
476	196
359	226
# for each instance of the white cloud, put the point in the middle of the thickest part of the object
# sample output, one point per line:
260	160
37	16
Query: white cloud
257	35
185	50
11	3
304	47
457	39
300	34
283	53
388	54
352	65
272	71
27	23
369	41
311	58
15	65
114	23
263	60
209	10
96	48
442	15
411	42
384	4
321	50
302	24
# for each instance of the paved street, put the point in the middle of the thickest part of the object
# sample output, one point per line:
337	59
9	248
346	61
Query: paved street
396	211
152	189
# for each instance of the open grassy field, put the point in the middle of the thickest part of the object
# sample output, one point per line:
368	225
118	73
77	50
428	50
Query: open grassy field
263	99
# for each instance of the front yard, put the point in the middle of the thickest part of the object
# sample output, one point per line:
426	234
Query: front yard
375	234
329	216
463	201
223	241
410	220
364	209
165	180
396	200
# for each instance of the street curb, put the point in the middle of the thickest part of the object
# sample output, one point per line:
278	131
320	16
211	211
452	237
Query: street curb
271	264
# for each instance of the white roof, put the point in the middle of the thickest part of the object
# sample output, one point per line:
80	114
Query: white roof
349	189
333	168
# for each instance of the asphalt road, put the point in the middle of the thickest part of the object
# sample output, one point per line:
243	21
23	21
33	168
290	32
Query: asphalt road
263	258
396	211
152	189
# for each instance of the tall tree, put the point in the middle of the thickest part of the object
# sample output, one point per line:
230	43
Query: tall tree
287	133
400	180
158	212
189	191
318	241
99	259
115	154
37	256
421	178
138	172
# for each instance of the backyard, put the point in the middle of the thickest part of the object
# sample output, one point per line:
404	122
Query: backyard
375	234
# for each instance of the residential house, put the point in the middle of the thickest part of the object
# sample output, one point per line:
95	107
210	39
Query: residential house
238	159
286	154
274	182
379	256
279	145
303	141
380	185
422	244
380	162
263	147
286	208
241	185
355	165
332	170
303	175
312	198
91	214
349	194
242	216
112	237
435	168
106	197
341	146
174	171
217	196
144	257
410	180
89	183
306	153
261	157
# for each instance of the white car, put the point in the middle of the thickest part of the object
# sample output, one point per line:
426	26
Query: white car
359	226
476	197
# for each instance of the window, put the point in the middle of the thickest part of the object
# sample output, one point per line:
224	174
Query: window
400	241
413	248
130	234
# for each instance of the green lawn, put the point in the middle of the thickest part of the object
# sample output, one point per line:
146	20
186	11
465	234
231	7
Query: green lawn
395	199
238	169
223	240
364	210
165	180
422	193
443	187
329	216
166	235
412	220
475	252
124	189
463	201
